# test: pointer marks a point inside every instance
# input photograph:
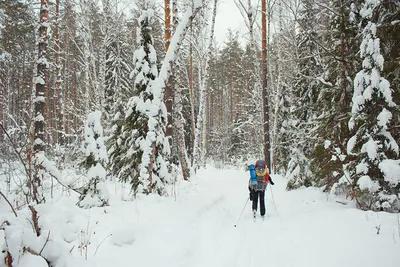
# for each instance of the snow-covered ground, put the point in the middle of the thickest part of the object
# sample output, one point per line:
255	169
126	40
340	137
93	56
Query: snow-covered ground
196	228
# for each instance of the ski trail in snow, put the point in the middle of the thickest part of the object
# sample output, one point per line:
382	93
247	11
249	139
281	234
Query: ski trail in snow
252	243
198	230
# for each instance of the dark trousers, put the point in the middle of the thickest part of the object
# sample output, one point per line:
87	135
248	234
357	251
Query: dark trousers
261	195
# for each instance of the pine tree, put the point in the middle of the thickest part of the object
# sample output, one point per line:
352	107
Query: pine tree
233	101
376	166
39	106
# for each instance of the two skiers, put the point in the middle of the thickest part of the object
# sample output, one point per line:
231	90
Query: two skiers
259	178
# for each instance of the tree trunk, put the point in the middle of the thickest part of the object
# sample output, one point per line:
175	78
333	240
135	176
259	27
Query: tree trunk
278	93
2	98
59	125
264	83
4	92
167	18
180	133
66	99
39	108
176	40
151	166
75	114
168	97
192	103
200	131
230	102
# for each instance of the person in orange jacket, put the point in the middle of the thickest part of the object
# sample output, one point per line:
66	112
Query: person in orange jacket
258	186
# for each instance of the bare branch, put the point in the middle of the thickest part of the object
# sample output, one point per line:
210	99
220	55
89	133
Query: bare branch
66	186
327	8
1	193
45	243
4	223
15	150
101	243
31	251
35	220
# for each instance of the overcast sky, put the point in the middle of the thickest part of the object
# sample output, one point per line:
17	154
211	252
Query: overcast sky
228	16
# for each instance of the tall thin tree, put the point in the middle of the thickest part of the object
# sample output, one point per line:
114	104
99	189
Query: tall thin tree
168	97
39	102
201	116
58	88
267	144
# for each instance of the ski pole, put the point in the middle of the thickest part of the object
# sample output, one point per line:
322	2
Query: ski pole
242	211
273	200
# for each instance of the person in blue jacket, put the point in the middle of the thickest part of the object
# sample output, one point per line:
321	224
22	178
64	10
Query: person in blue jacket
259	179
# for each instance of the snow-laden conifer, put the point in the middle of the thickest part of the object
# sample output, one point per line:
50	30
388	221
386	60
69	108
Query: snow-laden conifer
376	168
95	193
145	117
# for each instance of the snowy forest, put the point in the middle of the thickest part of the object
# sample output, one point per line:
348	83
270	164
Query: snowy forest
140	93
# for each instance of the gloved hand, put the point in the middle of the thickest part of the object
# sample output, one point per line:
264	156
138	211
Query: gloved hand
251	196
272	183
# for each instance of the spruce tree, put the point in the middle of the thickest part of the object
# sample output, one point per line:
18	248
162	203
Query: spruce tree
118	90
328	156
95	193
306	90
143	128
376	166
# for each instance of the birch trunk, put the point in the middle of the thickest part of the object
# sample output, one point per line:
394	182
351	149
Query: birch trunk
199	156
278	94
276	110
180	133
178	122
173	49
176	42
247	12
191	91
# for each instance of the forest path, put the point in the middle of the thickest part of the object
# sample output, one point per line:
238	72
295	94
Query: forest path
303	228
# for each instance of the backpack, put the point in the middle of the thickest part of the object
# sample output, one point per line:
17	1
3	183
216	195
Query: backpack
253	176
261	171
